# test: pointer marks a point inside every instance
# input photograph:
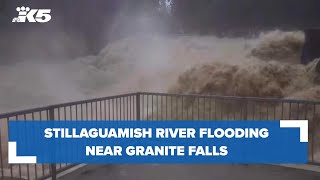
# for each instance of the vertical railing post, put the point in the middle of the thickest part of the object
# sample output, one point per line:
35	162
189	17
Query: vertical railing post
52	166
312	139
1	160
245	106
138	106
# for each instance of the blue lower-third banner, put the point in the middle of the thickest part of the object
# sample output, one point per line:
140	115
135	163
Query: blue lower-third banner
170	142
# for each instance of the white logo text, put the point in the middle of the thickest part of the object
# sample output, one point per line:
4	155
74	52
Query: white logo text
32	15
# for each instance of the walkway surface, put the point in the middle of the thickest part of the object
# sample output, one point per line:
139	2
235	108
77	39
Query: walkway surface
189	172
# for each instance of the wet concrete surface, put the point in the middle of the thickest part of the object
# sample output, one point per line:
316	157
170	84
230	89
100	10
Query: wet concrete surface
190	172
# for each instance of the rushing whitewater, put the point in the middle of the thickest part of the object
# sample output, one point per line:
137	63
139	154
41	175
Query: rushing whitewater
266	66
269	69
262	66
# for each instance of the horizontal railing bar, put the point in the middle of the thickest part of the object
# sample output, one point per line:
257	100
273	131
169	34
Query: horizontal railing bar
45	108
235	97
28	111
135	108
11	114
91	100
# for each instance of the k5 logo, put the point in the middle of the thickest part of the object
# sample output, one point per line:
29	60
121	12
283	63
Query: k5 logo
32	15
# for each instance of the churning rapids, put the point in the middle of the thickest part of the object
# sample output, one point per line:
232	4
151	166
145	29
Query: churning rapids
264	66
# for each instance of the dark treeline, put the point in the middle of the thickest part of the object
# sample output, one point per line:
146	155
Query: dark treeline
209	16
97	22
